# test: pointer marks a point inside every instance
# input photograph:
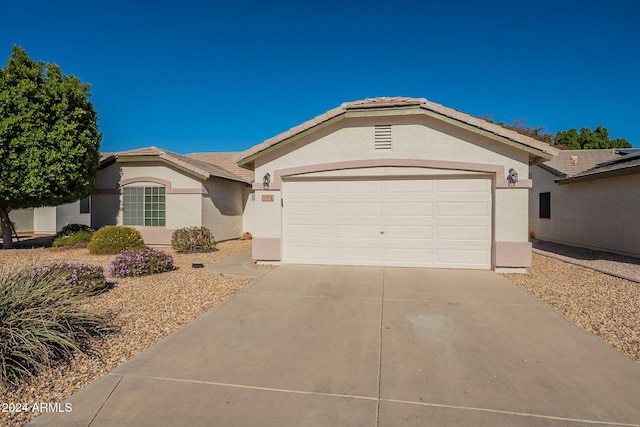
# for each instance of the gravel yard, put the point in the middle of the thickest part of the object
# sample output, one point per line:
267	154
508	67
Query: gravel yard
149	308
605	305
144	309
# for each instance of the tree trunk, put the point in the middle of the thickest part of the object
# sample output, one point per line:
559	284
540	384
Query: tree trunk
7	240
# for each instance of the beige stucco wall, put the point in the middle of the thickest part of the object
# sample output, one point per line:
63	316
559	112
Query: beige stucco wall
23	220
599	214
44	220
415	138
183	197
222	208
70	214
248	211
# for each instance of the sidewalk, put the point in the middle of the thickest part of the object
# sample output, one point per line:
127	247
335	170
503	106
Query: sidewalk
237	266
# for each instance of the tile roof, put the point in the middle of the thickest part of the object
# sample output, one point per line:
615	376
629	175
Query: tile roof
621	165
196	164
393	102
572	162
227	160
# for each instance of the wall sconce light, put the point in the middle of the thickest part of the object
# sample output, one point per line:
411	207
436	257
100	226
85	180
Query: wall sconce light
266	180
512	178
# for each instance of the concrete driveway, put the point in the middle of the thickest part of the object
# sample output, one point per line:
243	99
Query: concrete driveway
359	346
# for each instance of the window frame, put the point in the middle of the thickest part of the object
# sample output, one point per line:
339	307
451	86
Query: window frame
544	204
85	205
144	205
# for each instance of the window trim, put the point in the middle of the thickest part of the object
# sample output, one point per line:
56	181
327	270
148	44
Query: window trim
148	212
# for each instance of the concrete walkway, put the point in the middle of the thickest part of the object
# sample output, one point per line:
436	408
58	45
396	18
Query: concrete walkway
356	346
237	266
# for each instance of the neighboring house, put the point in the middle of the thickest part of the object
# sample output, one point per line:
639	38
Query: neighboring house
157	192
588	198
394	182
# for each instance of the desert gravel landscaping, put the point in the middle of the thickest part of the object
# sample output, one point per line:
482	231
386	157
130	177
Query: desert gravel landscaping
603	304
143	309
146	309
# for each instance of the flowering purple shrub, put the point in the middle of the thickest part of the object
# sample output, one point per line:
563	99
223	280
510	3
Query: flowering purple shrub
140	262
84	278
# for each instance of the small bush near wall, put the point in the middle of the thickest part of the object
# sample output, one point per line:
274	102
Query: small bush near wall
81	238
83	279
70	229
193	239
113	239
141	262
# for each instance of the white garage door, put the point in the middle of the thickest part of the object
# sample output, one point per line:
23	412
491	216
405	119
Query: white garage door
441	223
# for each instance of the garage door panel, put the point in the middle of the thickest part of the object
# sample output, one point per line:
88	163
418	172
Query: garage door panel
309	208
463	185
408	208
462	232
356	231
315	187
404	232
399	186
464	209
305	231
356	187
405	222
357	209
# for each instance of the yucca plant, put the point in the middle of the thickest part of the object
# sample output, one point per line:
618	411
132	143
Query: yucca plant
41	322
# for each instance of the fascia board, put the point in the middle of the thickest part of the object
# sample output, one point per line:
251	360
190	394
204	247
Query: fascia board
289	140
600	175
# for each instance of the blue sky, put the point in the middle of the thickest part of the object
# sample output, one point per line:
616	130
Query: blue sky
207	76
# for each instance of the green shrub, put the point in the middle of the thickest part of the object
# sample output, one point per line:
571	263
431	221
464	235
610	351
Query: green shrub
41	322
81	278
113	239
70	229
193	239
140	262
81	238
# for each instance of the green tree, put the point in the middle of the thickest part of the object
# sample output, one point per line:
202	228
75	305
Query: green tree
568	138
588	139
49	138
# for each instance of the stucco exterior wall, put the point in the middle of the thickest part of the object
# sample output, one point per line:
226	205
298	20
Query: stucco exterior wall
44	220
248	212
222	209
23	220
599	214
414	138
183	206
70	214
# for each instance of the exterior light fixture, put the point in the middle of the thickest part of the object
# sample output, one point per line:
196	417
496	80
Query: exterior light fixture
512	178
266	180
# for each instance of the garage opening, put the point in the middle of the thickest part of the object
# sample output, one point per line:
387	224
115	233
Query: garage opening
439	223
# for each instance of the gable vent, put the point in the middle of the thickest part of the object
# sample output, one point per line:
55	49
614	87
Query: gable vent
382	137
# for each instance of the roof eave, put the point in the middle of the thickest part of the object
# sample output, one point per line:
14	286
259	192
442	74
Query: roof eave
246	162
600	175
163	159
536	154
553	171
